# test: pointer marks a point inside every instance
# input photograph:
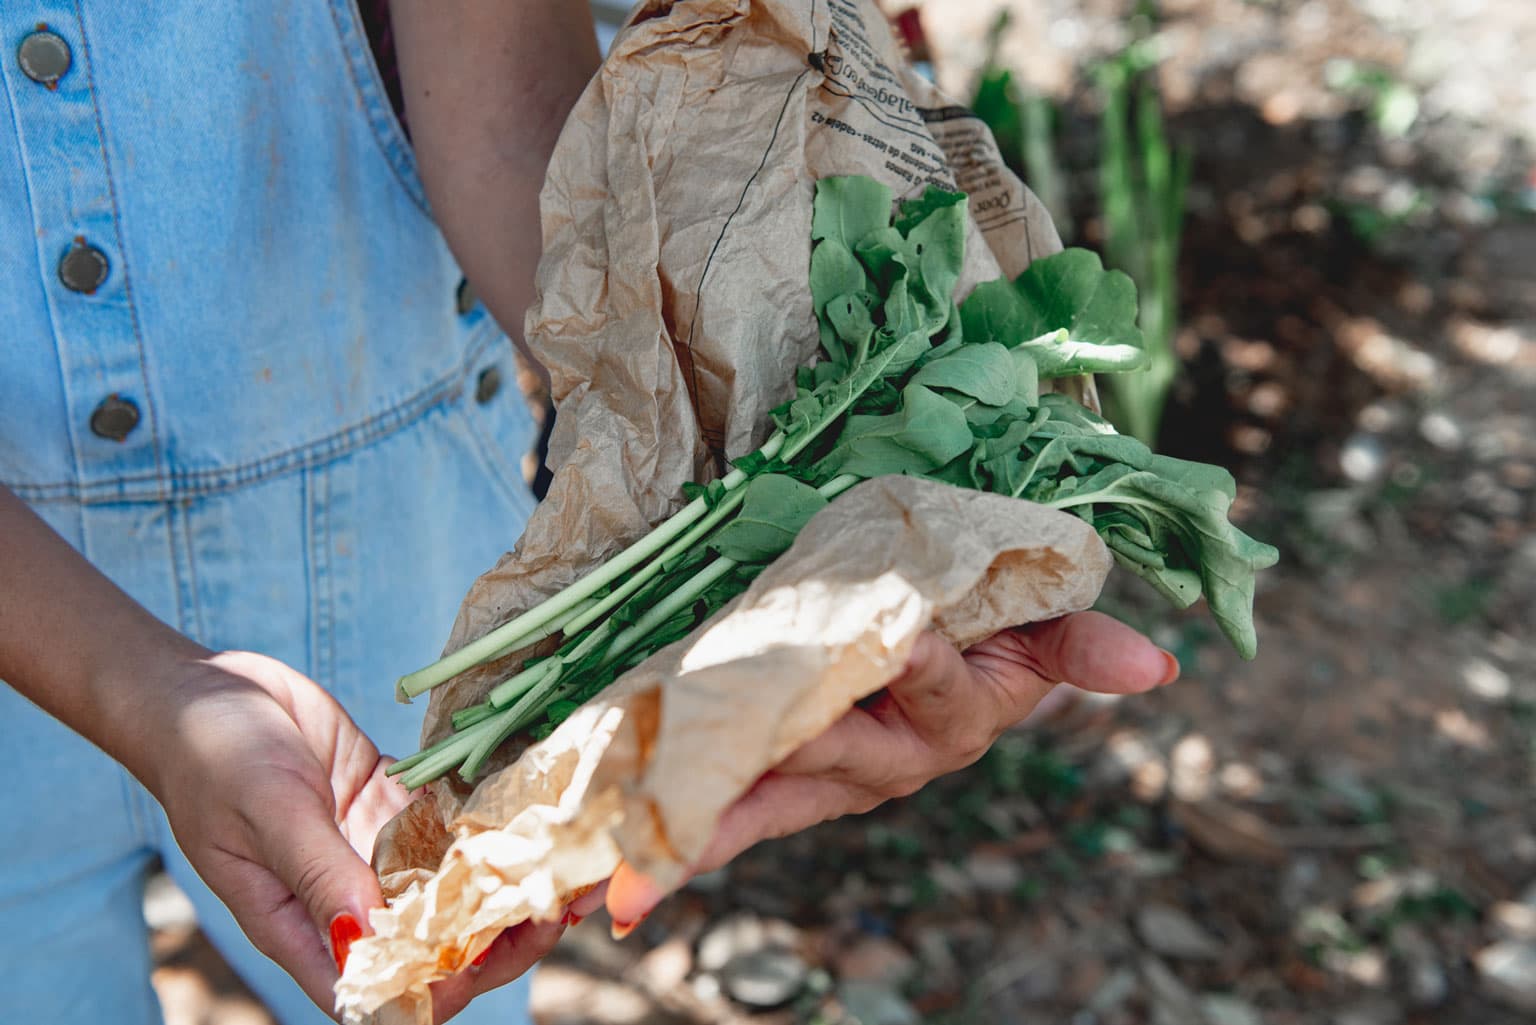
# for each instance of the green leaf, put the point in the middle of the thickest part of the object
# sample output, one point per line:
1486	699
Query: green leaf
849	316
1028	376
772	513
848	208
887	255
912	212
835	272
1071	314
938	242
928	432
986	372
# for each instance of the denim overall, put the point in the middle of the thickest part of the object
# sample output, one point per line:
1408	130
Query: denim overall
240	373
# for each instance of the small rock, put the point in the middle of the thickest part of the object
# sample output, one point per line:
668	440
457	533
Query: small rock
869	1003
1173	1003
1025	979
1116	990
1508	972
1513	921
666	967
764	978
1221	1009
1367	967
1169	931
1362	458
875	959
742	934
939	964
1427	984
165	906
1441	431
1485	680
951	880
993	873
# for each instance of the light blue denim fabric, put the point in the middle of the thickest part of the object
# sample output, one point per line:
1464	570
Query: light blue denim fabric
317	472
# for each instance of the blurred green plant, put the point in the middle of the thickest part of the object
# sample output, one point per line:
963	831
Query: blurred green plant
1391	103
1017	764
1143	181
1024	124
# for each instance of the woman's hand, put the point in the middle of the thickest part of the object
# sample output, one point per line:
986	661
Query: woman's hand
941	715
276	796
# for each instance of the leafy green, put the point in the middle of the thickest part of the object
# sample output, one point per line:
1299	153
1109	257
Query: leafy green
848	208
774	510
927	432
910	383
986	372
1070	314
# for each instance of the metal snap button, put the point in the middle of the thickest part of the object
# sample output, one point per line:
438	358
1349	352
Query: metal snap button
115	418
44	57
465	298
83	268
488	385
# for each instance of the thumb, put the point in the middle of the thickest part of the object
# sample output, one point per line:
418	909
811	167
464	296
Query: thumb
305	849
1092	651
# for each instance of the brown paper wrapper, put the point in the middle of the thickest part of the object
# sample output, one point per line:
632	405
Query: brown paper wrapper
673	304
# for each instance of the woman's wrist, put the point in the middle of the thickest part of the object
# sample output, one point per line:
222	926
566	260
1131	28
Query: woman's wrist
80	648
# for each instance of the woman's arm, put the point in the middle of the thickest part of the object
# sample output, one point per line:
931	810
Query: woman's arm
273	793
487	86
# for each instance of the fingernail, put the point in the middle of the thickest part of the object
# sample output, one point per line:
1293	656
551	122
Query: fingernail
344	931
480	957
623	929
1171	672
571	918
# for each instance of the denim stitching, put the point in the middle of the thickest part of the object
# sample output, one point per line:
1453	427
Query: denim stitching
308	513
178	581
26	176
380	116
194	597
321	608
416	407
122	250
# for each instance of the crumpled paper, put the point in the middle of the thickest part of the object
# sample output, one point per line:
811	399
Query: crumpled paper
673	304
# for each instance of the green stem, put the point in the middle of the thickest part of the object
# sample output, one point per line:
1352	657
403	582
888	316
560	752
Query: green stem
683	544
509	636
509	690
686	594
464	718
442	756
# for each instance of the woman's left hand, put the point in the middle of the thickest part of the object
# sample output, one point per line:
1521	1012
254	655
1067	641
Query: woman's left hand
940	715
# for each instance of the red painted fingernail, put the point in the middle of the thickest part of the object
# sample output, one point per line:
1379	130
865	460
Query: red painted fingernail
623	929
1171	673
480	957
344	931
571	918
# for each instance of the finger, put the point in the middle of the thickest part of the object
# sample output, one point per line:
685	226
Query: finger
778	805
953	708
582	906
277	923
1095	652
298	839
871	746
509	957
631	896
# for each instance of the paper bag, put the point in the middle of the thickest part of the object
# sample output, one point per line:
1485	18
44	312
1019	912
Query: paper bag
673	306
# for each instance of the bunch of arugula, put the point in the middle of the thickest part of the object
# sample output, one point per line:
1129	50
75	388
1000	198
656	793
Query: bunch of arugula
910	383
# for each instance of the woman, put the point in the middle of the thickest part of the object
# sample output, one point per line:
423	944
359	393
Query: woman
250	401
